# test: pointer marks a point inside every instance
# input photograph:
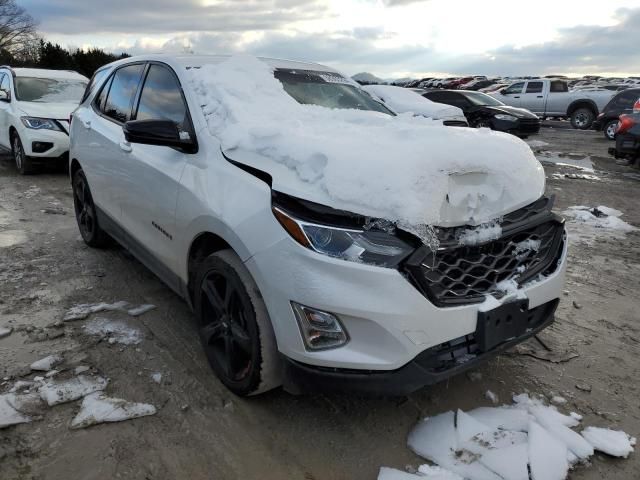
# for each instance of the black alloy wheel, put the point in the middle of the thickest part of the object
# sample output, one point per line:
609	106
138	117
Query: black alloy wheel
235	329
85	211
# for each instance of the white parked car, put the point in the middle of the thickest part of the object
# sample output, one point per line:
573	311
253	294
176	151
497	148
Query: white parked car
35	105
403	100
322	242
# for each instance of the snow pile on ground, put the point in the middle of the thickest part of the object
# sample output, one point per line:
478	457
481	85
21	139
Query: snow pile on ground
480	234
506	443
593	222
9	415
98	408
82	311
115	331
536	143
405	169
55	392
401	100
47	363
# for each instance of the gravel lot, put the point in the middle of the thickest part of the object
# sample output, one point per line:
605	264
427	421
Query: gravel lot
202	431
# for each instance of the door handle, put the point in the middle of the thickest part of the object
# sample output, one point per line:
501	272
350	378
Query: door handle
516	97
540	96
125	146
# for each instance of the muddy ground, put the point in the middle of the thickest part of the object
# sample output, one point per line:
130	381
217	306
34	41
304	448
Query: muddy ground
201	431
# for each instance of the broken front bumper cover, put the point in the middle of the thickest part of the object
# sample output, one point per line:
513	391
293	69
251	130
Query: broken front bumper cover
431	366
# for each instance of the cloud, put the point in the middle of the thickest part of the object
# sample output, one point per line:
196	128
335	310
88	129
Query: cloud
167	16
399	3
580	49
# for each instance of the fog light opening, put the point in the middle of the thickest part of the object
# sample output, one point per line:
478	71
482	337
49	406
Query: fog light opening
320	330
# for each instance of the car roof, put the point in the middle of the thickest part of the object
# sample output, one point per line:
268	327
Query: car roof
47	73
197	61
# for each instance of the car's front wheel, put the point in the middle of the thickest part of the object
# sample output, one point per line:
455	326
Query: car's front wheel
609	129
86	216
235	328
23	163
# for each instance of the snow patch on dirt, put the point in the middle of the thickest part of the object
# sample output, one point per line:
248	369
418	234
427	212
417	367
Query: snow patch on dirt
590	223
98	408
114	331
55	392
491	443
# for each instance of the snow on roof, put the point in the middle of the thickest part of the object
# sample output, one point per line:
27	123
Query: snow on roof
45	73
407	169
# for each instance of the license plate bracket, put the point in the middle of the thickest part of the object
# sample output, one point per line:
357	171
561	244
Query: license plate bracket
501	324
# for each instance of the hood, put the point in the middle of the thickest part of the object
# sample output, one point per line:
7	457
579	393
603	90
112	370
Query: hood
404	100
57	111
410	170
515	111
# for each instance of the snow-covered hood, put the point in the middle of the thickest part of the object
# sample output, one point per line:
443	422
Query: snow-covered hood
57	111
406	169
402	100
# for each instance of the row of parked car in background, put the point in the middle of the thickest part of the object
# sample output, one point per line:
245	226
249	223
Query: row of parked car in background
35	106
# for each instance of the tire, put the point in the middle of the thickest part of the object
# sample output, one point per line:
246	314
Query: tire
482	123
582	118
23	163
609	129
235	329
86	215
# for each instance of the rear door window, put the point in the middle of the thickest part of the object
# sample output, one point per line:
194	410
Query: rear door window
95	83
558	86
122	91
162	99
534	87
5	86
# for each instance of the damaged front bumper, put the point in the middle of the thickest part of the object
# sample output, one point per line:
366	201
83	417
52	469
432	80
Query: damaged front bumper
431	366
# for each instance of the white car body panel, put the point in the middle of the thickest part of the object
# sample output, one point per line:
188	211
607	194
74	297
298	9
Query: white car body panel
10	113
389	321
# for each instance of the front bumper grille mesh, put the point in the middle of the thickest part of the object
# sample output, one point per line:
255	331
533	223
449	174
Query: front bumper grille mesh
531	244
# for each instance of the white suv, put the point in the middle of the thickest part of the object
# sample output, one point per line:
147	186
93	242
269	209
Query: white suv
35	105
296	215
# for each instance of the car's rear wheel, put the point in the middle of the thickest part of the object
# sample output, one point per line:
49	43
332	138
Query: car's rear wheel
86	215
582	118
235	328
482	123
23	163
609	129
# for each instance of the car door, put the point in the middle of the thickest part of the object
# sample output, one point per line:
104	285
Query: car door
152	181
5	110
99	148
533	96
511	95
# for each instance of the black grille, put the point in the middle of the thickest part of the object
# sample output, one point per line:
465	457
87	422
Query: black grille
531	244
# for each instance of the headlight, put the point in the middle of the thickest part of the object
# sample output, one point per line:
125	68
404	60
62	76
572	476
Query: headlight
40	123
504	116
371	247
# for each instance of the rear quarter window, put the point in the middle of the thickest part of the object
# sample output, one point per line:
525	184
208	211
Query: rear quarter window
95	83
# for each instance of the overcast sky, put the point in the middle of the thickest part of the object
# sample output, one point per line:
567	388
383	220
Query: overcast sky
390	38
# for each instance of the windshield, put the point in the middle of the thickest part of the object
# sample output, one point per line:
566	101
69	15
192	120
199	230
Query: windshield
49	90
481	99
326	89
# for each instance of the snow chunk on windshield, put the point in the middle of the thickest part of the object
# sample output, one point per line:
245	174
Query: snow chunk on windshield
405	169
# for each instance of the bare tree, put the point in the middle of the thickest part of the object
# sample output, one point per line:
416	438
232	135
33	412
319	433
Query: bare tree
17	27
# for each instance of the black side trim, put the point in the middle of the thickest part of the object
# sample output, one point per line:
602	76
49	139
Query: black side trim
139	251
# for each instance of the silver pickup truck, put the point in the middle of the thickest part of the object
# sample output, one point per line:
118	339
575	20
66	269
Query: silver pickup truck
552	98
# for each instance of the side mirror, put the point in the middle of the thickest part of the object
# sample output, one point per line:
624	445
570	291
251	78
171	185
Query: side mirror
164	133
4	96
